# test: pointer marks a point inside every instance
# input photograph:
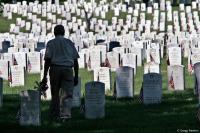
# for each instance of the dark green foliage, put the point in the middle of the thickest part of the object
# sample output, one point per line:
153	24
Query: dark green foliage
1	7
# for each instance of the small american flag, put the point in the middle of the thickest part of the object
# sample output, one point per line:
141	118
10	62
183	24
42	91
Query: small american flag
29	65
14	61
171	81
107	63
98	77
89	63
10	76
121	63
168	63
190	66
141	94
151	58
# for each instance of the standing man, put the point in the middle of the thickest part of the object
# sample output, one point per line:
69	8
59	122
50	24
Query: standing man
61	56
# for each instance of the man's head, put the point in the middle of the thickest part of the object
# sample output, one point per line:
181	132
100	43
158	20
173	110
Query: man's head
59	30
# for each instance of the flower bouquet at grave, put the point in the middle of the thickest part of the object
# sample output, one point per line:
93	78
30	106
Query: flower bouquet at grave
41	87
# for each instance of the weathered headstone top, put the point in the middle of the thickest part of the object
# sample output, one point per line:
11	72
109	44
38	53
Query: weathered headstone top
30	113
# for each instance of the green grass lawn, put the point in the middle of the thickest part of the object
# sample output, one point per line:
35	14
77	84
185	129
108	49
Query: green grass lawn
177	110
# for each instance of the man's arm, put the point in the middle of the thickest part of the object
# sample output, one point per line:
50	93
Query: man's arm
46	68
76	67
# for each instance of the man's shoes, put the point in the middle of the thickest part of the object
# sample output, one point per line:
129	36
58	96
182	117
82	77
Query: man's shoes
54	119
65	118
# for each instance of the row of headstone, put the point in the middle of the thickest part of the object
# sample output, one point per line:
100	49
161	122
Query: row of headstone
162	24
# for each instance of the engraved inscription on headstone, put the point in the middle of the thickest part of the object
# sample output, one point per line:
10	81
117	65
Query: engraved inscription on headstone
152	88
175	57
76	101
16	76
124	82
94	100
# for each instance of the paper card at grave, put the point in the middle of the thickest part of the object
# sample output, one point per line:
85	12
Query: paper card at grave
16	76
94	100
151	68
175	56
19	58
4	64
30	112
33	62
152	88
176	77
76	101
153	55
124	82
103	74
129	59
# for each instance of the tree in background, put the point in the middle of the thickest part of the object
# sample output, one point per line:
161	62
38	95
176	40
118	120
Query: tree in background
1	7
89	14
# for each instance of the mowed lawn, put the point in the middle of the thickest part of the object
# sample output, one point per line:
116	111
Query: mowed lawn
177	110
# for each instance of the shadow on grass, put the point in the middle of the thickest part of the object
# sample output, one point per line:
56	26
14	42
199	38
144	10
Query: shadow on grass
177	111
